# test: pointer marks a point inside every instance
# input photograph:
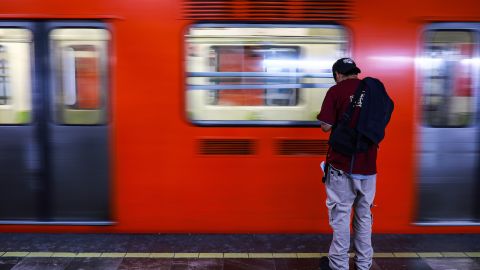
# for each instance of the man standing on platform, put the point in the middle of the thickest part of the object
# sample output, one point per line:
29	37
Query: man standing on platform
349	183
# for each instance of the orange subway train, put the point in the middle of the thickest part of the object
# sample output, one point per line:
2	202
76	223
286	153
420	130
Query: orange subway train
200	116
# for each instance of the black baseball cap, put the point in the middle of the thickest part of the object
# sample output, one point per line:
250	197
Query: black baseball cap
345	66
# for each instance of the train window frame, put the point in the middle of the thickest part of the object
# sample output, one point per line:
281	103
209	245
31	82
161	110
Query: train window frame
65	88
19	110
339	42
425	59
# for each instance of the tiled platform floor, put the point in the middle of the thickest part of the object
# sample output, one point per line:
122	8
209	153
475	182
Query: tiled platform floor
226	252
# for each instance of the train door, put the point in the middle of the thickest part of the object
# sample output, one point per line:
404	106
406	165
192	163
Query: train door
78	129
54	124
449	133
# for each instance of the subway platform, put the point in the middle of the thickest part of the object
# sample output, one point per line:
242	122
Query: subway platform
227	251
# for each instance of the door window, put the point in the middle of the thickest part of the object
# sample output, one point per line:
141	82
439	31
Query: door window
15	76
81	66
448	96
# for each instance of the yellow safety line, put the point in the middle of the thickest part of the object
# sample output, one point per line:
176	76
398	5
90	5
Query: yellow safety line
235	255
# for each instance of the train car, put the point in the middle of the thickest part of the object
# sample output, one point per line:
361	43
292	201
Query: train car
199	116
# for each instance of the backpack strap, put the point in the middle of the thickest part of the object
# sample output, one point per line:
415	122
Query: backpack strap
347	116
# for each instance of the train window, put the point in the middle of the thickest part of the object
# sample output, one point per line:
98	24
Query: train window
448	97
80	62
15	76
259	74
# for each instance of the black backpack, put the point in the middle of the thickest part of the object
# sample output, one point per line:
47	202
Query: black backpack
344	139
376	111
375	115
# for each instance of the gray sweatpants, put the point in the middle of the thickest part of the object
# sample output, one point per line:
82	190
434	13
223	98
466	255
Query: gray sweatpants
343	192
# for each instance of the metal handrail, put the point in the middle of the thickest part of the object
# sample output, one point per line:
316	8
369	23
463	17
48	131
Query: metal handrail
260	74
256	86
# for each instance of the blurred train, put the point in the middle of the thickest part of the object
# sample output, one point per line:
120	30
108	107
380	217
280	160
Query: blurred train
199	115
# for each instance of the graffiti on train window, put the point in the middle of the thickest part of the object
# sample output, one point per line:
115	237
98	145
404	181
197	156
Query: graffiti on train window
259	74
448	97
15	76
80	61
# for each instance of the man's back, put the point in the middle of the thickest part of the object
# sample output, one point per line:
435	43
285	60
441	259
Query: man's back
335	104
347	187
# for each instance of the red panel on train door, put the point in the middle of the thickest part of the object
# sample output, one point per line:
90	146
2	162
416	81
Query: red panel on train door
463	79
87	77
